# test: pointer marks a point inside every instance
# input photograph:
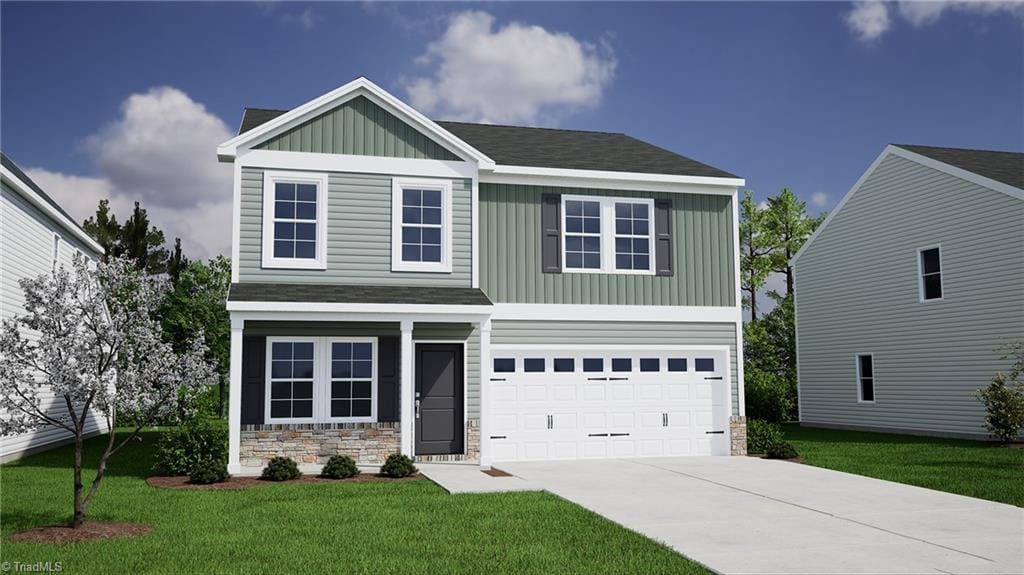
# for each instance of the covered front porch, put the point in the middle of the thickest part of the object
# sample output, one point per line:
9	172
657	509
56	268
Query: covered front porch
342	369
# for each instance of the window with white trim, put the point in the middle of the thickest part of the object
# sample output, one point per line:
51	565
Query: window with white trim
865	378
351	379
607	235
930	267
292	366
294	220
421	225
56	252
321	379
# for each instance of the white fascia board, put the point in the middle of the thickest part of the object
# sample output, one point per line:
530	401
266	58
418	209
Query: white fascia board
358	87
36	200
360	308
592	312
527	175
961	173
355	164
606	347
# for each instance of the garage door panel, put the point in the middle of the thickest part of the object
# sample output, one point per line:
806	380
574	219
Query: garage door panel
622	420
534	421
504	423
623	448
595	448
703	391
650	392
651	419
504	394
534	392
535	450
594	392
677	391
678	447
563	393
622	392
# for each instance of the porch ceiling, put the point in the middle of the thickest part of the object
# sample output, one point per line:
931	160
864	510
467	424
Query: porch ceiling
357	294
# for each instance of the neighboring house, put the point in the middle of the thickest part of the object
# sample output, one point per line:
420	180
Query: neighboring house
908	290
474	292
36	237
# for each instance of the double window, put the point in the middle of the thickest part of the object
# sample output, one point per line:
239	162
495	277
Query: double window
929	262
866	378
607	235
421	237
294	220
321	380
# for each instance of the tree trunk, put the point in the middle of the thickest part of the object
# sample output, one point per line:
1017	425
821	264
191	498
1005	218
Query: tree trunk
789	274
79	517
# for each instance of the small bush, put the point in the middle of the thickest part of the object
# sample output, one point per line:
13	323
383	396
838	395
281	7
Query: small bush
181	448
281	469
761	435
768	396
340	467
781	450
1004	402
209	471
398	465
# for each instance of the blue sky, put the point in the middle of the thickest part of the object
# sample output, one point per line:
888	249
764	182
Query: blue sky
784	94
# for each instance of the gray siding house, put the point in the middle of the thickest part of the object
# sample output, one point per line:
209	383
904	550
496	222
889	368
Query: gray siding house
908	290
473	292
36	236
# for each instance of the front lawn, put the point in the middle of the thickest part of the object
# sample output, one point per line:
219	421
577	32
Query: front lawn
410	527
972	468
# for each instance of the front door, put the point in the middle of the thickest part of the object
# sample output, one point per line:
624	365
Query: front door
439	399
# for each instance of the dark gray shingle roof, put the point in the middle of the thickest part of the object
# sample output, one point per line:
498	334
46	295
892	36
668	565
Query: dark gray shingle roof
334	293
1005	167
10	165
551	148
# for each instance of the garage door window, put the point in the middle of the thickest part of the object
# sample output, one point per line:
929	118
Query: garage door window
650	364
622	364
563	364
591	364
504	365
704	364
533	364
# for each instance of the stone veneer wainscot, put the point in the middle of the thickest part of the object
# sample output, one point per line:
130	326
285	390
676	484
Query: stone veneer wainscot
367	443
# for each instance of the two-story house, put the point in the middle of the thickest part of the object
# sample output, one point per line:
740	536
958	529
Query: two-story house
458	291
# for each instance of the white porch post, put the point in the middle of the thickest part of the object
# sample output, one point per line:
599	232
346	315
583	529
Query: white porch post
485	380
235	398
407	381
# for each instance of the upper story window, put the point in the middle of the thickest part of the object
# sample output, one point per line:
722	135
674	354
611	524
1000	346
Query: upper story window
421	225
607	235
294	220
930	266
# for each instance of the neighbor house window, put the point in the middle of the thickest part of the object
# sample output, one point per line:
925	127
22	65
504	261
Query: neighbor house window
607	235
56	252
421	225
865	378
320	379
930	266
294	220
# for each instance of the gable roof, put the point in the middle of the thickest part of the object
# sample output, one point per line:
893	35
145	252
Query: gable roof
20	181
356	294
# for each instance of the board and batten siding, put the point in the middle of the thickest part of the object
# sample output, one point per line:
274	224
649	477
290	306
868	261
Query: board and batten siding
857	292
581	333
358	235
510	253
358	127
26	251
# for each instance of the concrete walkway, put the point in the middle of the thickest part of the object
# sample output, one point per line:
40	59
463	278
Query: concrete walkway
467	478
746	515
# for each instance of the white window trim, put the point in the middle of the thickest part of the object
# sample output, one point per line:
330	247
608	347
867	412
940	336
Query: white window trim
445	187
874	376
320	180
56	253
608	234
321	380
920	275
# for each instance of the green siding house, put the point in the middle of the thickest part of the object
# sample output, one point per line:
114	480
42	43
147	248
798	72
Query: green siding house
479	293
909	290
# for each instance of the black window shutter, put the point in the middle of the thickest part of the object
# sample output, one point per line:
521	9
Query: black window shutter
551	233
254	368
387	379
663	237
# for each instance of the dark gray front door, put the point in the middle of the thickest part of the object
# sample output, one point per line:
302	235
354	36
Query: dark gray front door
439	398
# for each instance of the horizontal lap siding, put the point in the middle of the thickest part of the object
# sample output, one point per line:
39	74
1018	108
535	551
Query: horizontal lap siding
362	128
26	251
510	257
857	292
628	333
358	235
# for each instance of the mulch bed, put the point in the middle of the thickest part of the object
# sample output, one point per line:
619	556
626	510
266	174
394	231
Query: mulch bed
495	472
234	483
763	456
89	531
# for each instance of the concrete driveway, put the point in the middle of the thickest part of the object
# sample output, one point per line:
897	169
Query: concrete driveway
746	515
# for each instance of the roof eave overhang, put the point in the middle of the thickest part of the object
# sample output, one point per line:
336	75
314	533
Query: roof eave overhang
36	200
604	178
367	308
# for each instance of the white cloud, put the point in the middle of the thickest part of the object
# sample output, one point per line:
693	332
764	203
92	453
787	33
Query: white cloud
162	152
868	20
819	199
516	74
307	19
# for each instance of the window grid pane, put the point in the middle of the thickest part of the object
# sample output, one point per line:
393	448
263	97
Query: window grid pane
295	210
632	236
421	225
351	390
582	234
291	383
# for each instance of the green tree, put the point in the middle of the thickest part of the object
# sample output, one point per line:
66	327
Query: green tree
769	363
789	228
136	239
176	262
756	249
103	228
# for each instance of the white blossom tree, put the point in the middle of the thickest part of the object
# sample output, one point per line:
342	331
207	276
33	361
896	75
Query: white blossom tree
90	342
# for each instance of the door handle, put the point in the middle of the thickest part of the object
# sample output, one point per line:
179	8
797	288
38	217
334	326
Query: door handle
597	435
617	378
618	434
664	420
597	379
417	409
551	422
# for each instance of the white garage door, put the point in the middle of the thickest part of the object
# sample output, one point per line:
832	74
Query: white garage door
604	403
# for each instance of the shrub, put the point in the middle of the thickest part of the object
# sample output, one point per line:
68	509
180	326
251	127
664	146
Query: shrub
340	467
181	448
781	450
209	471
768	396
1004	402
761	435
398	465
281	469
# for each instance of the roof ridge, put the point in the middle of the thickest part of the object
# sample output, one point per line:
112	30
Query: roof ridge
908	146
529	127
266	109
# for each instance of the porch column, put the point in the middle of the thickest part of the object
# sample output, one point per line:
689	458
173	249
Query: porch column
235	397
408	383
485	380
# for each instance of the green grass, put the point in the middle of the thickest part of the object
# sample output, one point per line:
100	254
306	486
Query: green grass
971	468
409	527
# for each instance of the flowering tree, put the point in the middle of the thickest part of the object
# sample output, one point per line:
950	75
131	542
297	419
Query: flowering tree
90	342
